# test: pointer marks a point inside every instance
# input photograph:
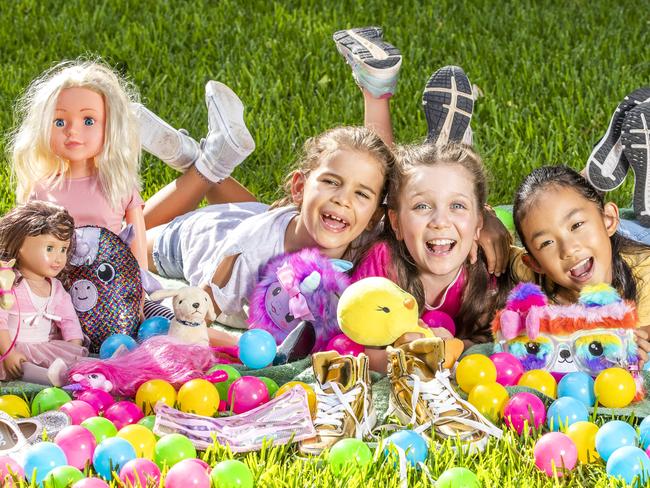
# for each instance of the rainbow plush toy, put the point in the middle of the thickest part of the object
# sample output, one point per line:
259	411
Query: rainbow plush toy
592	335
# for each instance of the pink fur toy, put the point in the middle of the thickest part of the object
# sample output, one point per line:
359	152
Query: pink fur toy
303	285
159	357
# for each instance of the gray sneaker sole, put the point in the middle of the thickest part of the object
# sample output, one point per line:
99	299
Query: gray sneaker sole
348	43
635	136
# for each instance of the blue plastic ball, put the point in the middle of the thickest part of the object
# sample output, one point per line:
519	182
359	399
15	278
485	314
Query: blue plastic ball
153	326
412	443
629	462
644	433
614	435
42	457
564	412
257	348
112	454
111	343
578	385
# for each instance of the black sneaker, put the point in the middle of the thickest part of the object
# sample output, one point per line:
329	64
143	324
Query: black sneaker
448	103
607	165
635	139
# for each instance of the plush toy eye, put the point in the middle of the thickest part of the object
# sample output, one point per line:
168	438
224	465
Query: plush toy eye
276	291
289	318
105	272
532	347
595	348
383	309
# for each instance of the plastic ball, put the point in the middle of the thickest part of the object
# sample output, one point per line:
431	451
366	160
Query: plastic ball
344	346
473	370
141	438
110	455
644	433
187	473
555	451
412	443
257	348
232	474
614	435
524	411
349	453
458	478
15	406
509	368
578	385
113	342
153	326
539	380
271	385
222	386
437	318
311	395
78	411
123	413
78	444
172	449
564	412
100	400
246	393
490	399
9	468
615	388
629	462
199	397
100	427
62	477
43	458
153	391
49	399
142	471
583	435
91	483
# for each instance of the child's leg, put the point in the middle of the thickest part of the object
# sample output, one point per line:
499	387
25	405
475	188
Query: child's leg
635	136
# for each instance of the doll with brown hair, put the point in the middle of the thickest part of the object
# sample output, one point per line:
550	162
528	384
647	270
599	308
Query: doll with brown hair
40	335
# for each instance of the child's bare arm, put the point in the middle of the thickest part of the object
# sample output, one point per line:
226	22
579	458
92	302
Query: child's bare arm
495	241
642	335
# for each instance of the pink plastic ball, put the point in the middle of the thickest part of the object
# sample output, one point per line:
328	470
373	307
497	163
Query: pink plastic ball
9	467
137	472
78	411
556	449
344	346
201	463
98	399
123	414
246	393
78	444
519	409
90	483
187	473
436	318
509	368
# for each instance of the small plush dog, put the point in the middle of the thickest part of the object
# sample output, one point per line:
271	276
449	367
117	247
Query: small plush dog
192	307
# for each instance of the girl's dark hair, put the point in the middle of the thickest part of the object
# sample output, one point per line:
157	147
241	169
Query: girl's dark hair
478	307
33	219
564	177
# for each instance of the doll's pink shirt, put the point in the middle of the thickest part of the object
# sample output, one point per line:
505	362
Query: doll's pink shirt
85	201
37	327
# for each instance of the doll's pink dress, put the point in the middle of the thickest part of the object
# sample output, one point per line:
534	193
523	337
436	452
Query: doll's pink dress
47	323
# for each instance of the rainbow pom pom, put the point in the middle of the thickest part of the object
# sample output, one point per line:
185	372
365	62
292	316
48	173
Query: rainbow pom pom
526	295
599	295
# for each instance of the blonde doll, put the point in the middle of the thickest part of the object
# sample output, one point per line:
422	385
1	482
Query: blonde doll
78	145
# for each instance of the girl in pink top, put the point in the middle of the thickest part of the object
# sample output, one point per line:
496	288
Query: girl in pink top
42	321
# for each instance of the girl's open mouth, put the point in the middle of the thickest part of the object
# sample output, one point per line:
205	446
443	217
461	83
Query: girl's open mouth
583	270
440	246
334	222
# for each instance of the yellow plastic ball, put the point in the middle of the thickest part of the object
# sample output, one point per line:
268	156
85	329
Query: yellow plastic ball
490	399
141	438
583	435
311	395
539	380
14	406
199	397
152	392
615	388
473	370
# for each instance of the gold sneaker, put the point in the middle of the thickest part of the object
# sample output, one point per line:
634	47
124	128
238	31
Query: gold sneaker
422	396
344	402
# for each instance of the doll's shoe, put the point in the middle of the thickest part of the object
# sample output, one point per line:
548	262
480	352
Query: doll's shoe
228	141
448	103
50	423
174	147
635	136
343	400
422	396
12	441
375	63
607	165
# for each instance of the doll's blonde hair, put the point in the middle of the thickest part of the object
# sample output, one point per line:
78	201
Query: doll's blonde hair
118	164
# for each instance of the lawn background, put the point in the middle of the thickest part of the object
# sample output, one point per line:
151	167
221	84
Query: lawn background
551	74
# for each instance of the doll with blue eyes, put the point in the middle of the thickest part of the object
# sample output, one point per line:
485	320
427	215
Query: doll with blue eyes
77	145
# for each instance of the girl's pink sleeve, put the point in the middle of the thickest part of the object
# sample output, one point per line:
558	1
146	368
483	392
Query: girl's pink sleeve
69	325
376	262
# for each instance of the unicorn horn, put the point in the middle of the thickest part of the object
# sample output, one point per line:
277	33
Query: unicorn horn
310	283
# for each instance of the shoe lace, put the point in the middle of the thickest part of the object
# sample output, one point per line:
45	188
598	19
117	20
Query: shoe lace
333	406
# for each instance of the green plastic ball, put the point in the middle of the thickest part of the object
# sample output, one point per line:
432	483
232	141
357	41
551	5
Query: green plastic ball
222	387
232	474
458	478
349	452
49	399
62	477
172	449
100	427
271	385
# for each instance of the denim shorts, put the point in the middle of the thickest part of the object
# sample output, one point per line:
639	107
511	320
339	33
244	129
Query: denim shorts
166	252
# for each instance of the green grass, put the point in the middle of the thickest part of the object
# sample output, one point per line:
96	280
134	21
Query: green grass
551	74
